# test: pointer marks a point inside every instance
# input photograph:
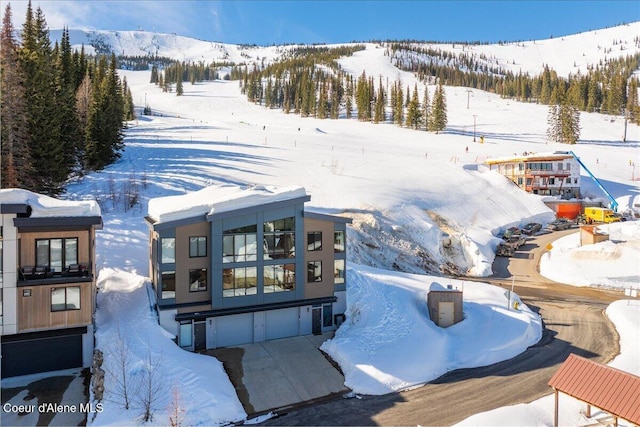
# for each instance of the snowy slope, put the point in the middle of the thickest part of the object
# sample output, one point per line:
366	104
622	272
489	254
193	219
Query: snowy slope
566	54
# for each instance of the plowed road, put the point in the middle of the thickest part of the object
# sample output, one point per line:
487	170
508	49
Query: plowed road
574	323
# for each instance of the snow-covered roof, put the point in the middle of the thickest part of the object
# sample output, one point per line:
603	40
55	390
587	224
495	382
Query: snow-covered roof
528	157
216	199
48	207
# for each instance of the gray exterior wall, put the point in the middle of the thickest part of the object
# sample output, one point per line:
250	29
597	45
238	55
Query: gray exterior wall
260	315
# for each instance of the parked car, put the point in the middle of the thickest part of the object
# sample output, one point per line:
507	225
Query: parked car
559	224
516	240
531	228
511	231
505	249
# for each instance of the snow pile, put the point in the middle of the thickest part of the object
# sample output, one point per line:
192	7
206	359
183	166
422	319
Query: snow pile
140	356
592	265
216	199
388	341
45	206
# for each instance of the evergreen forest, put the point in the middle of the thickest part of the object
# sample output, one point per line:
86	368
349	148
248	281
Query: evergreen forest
63	112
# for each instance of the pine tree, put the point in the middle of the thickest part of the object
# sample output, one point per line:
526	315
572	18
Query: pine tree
563	119
426	108
17	170
399	101
104	124
179	88
414	114
46	146
438	116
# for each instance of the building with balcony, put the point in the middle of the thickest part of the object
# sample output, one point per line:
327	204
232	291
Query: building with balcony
233	266
550	174
47	282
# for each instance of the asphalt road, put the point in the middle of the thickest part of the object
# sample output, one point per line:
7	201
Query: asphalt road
574	323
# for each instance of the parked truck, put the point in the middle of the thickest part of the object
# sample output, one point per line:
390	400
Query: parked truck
606	215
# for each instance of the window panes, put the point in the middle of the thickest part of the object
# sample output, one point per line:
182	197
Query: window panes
168	285
314	241
42	252
73	298
314	271
238	246
70	252
65	298
197	246
279	278
279	238
338	241
58	299
198	280
55	250
168	250
338	271
56	254
239	281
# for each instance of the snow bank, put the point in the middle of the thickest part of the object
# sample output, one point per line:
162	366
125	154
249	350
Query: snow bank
136	347
389	343
612	264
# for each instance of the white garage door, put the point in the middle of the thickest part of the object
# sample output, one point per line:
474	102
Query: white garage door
282	323
234	330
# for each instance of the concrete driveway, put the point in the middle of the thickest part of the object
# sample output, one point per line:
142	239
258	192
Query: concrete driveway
281	373
62	391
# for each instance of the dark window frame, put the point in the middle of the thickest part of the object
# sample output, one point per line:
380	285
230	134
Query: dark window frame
313	237
63	252
66	299
200	272
198	246
312	268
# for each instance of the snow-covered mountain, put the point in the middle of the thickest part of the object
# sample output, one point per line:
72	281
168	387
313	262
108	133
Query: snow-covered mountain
565	54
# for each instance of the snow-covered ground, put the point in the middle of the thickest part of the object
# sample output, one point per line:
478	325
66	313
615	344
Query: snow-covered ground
407	191
614	263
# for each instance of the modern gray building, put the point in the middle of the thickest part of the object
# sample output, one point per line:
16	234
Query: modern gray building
233	266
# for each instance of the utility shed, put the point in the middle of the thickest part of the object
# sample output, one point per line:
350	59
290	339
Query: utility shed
613	391
589	235
445	307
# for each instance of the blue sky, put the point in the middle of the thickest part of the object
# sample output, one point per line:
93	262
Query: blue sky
334	21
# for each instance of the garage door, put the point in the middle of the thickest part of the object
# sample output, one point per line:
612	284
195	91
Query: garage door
282	323
33	355
234	330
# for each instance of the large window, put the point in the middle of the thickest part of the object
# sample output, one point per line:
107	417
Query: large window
338	241
240	244
279	238
57	254
338	271
197	246
279	278
314	271
63	299
314	241
168	250
239	281
168	284
198	280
